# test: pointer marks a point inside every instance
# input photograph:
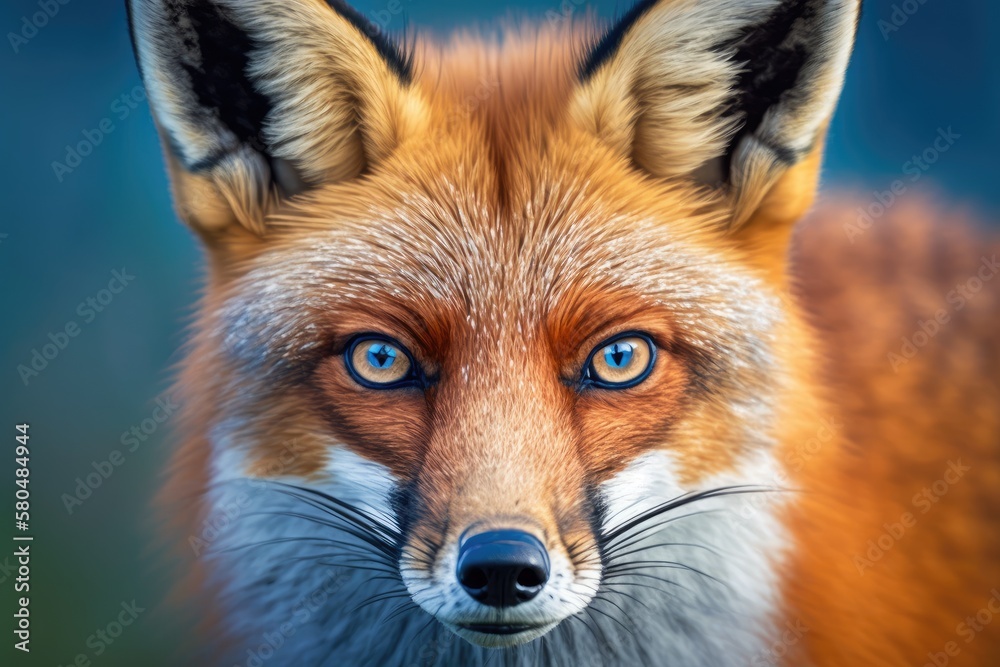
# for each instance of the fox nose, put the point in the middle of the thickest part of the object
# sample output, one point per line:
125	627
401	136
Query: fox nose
503	568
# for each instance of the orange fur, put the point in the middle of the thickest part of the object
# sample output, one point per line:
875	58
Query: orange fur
901	430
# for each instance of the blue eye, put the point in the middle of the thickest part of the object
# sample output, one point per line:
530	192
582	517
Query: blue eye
378	362
620	362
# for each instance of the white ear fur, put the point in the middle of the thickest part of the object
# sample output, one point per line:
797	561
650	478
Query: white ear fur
723	92
261	99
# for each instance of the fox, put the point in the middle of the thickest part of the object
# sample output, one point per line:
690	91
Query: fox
541	348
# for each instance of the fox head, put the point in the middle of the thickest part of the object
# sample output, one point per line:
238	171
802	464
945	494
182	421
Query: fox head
489	324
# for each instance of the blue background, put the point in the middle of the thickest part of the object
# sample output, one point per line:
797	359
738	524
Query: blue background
60	239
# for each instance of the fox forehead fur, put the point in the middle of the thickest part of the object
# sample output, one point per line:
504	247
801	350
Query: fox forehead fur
500	211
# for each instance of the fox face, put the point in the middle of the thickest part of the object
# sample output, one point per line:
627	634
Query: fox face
491	392
505	359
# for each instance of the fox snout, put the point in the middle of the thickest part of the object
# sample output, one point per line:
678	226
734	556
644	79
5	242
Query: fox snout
500	586
492	510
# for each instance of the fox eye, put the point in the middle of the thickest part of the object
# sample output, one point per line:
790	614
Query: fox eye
378	362
620	362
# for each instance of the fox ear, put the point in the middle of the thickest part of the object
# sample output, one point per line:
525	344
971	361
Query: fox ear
731	94
256	100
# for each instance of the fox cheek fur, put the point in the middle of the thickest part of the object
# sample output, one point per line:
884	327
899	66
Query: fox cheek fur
411	431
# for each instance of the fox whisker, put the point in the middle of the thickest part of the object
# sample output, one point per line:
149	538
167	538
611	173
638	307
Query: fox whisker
361	533
615	533
630	631
618	553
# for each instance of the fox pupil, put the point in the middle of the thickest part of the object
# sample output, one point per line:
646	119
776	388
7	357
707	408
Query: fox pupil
381	355
618	355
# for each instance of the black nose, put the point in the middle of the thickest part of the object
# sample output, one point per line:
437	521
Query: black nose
502	568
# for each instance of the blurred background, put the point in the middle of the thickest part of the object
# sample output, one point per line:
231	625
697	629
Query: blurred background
71	220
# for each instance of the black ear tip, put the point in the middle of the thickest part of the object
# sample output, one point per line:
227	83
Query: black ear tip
605	47
201	55
396	55
131	34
